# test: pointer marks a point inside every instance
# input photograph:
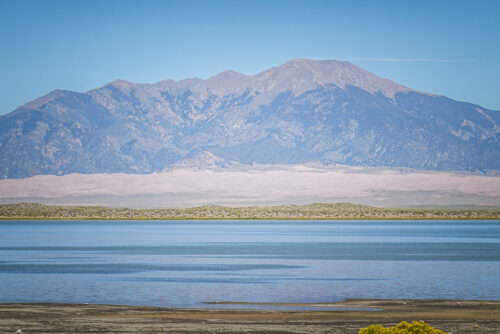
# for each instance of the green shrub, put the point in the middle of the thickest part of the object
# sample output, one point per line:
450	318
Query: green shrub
375	329
416	327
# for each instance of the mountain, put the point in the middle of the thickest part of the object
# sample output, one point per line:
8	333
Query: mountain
328	111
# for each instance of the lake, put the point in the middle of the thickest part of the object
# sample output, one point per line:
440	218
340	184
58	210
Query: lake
187	263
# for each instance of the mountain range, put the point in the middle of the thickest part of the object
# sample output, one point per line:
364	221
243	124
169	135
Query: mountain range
304	111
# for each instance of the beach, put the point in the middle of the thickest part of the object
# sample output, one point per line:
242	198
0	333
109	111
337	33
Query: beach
450	316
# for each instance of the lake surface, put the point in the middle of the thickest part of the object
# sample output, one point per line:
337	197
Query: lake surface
187	263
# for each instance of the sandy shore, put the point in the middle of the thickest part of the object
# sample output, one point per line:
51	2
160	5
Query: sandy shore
450	316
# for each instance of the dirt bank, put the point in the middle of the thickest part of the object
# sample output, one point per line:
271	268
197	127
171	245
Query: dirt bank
462	317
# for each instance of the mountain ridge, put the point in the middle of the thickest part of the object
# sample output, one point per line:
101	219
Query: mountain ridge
350	73
325	111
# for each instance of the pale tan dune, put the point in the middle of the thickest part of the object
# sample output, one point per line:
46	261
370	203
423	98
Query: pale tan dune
258	185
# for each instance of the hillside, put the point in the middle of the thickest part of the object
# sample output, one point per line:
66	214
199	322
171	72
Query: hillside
328	112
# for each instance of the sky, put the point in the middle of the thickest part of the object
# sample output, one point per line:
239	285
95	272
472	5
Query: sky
450	48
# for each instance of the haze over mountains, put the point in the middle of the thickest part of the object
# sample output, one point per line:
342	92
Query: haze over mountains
304	111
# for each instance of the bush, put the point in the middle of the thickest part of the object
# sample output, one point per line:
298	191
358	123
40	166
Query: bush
415	327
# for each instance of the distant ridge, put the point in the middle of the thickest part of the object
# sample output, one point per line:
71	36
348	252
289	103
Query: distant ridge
322	111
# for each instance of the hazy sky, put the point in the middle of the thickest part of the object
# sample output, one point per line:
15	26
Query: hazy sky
445	47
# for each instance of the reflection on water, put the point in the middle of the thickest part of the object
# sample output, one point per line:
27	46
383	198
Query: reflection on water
186	263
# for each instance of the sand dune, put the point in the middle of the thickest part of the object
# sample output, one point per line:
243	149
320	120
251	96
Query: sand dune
257	185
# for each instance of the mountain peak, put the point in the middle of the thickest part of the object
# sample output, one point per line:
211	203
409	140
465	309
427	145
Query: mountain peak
297	75
227	74
300	75
310	62
299	61
122	84
299	112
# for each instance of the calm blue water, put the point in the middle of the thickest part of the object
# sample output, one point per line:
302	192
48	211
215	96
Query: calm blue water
186	263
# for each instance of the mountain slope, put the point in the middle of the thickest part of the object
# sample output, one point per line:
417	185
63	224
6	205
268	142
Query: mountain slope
301	111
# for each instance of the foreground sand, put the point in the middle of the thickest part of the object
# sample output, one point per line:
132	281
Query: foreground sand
450	316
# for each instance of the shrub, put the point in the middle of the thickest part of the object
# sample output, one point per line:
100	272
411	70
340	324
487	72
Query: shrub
416	327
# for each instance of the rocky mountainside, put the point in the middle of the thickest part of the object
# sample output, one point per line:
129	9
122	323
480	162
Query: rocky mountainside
303	111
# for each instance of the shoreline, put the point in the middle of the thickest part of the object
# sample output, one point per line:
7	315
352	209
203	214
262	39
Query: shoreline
248	218
465	316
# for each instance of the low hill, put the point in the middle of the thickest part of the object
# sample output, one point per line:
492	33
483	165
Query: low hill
311	211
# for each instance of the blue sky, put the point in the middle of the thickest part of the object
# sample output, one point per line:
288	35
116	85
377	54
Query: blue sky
445	47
